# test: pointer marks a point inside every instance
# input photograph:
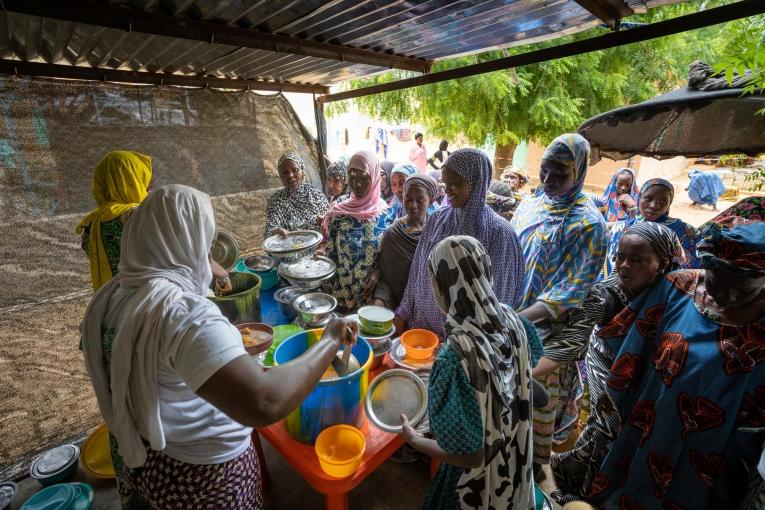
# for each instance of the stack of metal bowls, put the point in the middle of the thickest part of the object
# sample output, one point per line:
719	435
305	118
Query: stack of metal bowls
315	309
285	297
308	273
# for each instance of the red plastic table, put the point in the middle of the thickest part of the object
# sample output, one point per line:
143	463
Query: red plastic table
302	457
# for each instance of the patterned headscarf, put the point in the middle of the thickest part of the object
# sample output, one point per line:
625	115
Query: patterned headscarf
517	171
572	150
425	182
405	170
338	171
664	183
490	341
290	156
120	183
611	195
665	243
370	205
740	248
461	273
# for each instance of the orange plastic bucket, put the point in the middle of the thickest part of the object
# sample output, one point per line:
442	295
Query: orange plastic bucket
340	448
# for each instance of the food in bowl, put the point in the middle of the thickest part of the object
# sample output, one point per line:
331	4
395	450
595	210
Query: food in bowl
375	320
256	337
252	337
419	344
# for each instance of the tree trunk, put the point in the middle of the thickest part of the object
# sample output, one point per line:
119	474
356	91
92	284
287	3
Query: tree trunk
503	157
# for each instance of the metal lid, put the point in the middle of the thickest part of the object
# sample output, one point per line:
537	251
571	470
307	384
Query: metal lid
293	241
55	460
225	250
8	491
315	302
393	393
309	268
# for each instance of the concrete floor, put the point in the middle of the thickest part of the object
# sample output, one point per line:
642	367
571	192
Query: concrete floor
393	486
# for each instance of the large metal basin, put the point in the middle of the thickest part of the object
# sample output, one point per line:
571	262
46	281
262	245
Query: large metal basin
332	401
243	304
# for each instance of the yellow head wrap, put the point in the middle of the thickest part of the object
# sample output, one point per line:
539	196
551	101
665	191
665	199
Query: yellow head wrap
119	184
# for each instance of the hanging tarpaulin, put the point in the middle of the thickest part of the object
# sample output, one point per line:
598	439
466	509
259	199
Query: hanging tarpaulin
702	119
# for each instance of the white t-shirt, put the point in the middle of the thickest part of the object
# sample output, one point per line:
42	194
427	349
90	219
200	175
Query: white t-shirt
195	431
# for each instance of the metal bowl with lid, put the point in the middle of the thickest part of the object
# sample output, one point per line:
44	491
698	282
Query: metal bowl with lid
294	246
55	465
308	273
225	250
393	393
314	307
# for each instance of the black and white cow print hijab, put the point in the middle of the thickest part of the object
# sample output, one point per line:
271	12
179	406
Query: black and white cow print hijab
490	341
461	274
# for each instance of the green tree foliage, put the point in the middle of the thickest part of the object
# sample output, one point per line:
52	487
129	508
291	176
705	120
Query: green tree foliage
540	101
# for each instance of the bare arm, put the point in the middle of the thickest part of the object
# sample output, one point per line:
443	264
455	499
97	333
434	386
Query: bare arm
537	312
430	447
257	397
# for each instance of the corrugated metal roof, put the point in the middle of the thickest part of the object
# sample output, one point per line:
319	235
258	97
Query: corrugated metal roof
409	33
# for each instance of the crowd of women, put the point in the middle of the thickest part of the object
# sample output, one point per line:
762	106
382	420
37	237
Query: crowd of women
646	335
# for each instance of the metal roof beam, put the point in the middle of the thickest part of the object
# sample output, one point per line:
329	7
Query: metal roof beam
99	14
609	12
709	17
92	73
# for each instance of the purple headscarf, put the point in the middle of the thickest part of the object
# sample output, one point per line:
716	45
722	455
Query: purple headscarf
475	219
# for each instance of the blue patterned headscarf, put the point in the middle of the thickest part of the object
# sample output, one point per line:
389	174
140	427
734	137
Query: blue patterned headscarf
572	150
405	170
614	211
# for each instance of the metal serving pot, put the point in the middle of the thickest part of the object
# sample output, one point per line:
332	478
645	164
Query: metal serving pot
285	297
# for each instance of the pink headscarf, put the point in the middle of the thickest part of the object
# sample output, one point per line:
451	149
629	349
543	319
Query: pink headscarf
370	205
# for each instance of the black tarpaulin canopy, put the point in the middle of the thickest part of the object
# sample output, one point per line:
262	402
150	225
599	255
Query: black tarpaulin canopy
683	122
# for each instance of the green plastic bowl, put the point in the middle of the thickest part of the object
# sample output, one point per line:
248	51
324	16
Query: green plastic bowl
375	320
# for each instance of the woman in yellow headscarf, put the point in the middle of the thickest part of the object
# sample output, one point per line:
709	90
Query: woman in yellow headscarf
120	184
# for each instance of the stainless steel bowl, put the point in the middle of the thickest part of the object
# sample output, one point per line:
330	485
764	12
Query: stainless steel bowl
285	297
315	307
259	263
225	250
298	244
308	273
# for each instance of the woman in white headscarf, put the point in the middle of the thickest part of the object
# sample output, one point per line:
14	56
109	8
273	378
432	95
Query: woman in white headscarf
479	391
173	381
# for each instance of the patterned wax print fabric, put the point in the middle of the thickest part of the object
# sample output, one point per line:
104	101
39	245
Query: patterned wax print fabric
418	306
354	246
746	209
563	246
574	470
489	341
685	232
111	236
167	483
120	183
614	210
295	209
563	238
705	187
689	394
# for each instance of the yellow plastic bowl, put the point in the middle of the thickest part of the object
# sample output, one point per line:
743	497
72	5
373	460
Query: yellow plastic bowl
96	456
340	448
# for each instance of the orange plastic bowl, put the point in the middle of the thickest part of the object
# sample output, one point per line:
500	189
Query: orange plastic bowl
340	448
419	343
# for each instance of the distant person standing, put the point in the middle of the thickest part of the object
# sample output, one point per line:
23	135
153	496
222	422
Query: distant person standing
418	154
440	155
